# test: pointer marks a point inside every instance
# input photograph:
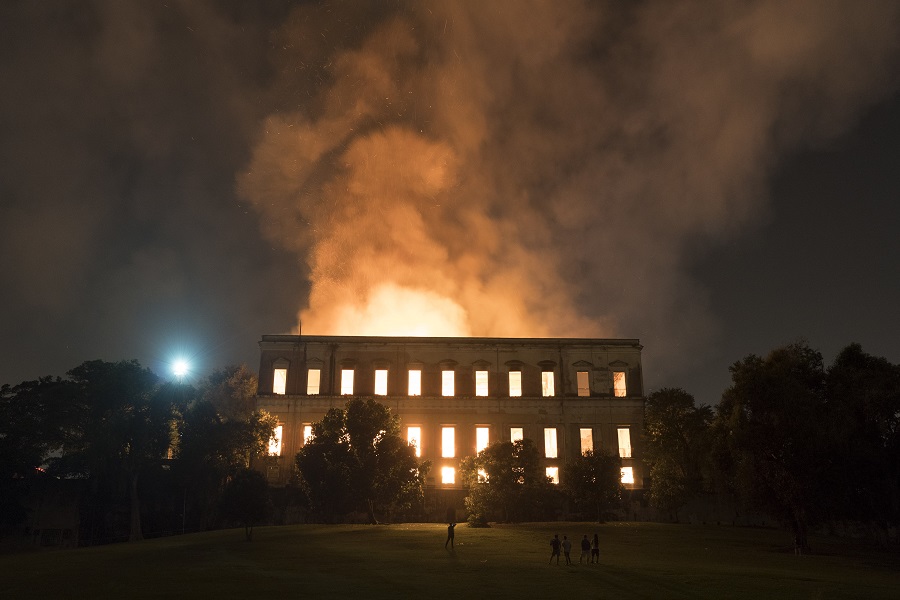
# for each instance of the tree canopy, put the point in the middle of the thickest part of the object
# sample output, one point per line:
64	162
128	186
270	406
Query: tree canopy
594	481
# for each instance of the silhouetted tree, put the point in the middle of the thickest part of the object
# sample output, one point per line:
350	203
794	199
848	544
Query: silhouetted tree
512	485
357	460
245	500
676	436
864	405
771	422
594	480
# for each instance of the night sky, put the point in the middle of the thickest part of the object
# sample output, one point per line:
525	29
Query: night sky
179	178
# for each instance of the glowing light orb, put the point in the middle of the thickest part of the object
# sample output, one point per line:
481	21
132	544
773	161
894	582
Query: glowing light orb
180	368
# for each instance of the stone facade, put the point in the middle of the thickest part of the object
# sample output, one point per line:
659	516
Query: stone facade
565	394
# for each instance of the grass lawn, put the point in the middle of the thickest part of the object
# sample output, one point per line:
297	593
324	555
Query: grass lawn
638	560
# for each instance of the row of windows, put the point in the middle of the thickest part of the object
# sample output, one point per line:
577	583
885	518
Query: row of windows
482	440
448	475
448	382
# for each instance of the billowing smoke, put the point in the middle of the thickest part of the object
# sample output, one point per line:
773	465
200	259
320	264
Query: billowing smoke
544	168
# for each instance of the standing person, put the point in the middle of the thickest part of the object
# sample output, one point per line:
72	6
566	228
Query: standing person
450	529
567	548
585	549
595	548
554	548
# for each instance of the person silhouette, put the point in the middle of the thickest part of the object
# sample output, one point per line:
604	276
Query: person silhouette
567	548
450	529
585	549
595	548
554	548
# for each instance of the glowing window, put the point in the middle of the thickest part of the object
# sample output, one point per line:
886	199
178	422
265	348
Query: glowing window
482	476
279	382
624	442
307	433
415	382
381	382
516	434
547	388
550	442
553	474
515	383
448	475
414	438
482	438
447	381
627	475
448	442
587	440
619	384
313	379
275	441
481	383
584	383
346	382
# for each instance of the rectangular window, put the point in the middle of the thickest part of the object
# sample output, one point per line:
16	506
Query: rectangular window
547	388
414	438
447	380
448	442
619	384
481	383
482	438
587	441
307	434
313	379
550	449
279	382
448	475
415	382
275	441
346	382
516	434
515	384
584	383
624	442
627	475
553	474
381	382
482	476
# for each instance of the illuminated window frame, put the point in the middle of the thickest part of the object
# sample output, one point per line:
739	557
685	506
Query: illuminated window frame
482	438
279	380
624	436
583	380
586	435
415	382
627	475
548	385
620	389
515	384
448	475
516	434
313	382
381	382
481	383
553	475
275	445
448	382
448	442
551	443
347	382
414	438
307	433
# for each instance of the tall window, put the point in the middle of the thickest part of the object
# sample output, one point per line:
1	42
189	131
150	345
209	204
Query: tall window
547	388
627	475
516	434
414	438
482	438
584	383
481	383
313	379
624	442
587	440
447	382
346	382
279	381
553	474
448	442
448	475
550	448
515	383
307	433
381	382
275	441
619	384
415	382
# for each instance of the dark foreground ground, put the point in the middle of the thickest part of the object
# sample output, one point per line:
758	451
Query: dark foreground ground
638	560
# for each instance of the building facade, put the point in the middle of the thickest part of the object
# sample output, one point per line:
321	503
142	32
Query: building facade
454	396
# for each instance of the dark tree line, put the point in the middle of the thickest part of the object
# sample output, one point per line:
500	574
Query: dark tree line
805	444
150	455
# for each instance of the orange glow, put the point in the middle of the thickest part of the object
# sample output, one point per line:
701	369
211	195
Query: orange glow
482	438
415	382
414	438
448	378
381	378
448	442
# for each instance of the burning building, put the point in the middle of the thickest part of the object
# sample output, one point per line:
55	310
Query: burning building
454	396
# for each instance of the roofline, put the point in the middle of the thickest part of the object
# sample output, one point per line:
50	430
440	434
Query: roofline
414	340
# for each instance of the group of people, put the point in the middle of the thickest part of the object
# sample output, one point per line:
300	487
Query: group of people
592	546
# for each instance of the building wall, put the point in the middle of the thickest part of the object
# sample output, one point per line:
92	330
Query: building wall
566	411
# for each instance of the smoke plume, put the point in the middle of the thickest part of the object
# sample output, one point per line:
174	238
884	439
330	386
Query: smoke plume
530	168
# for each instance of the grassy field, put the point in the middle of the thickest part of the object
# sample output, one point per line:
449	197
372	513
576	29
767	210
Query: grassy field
638	560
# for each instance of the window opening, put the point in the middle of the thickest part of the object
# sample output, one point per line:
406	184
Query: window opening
547	387
516	434
381	376
587	441
448	442
313	380
515	384
279	381
550	447
481	383
482	438
619	384
447	381
346	382
624	442
584	383
414	438
415	382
